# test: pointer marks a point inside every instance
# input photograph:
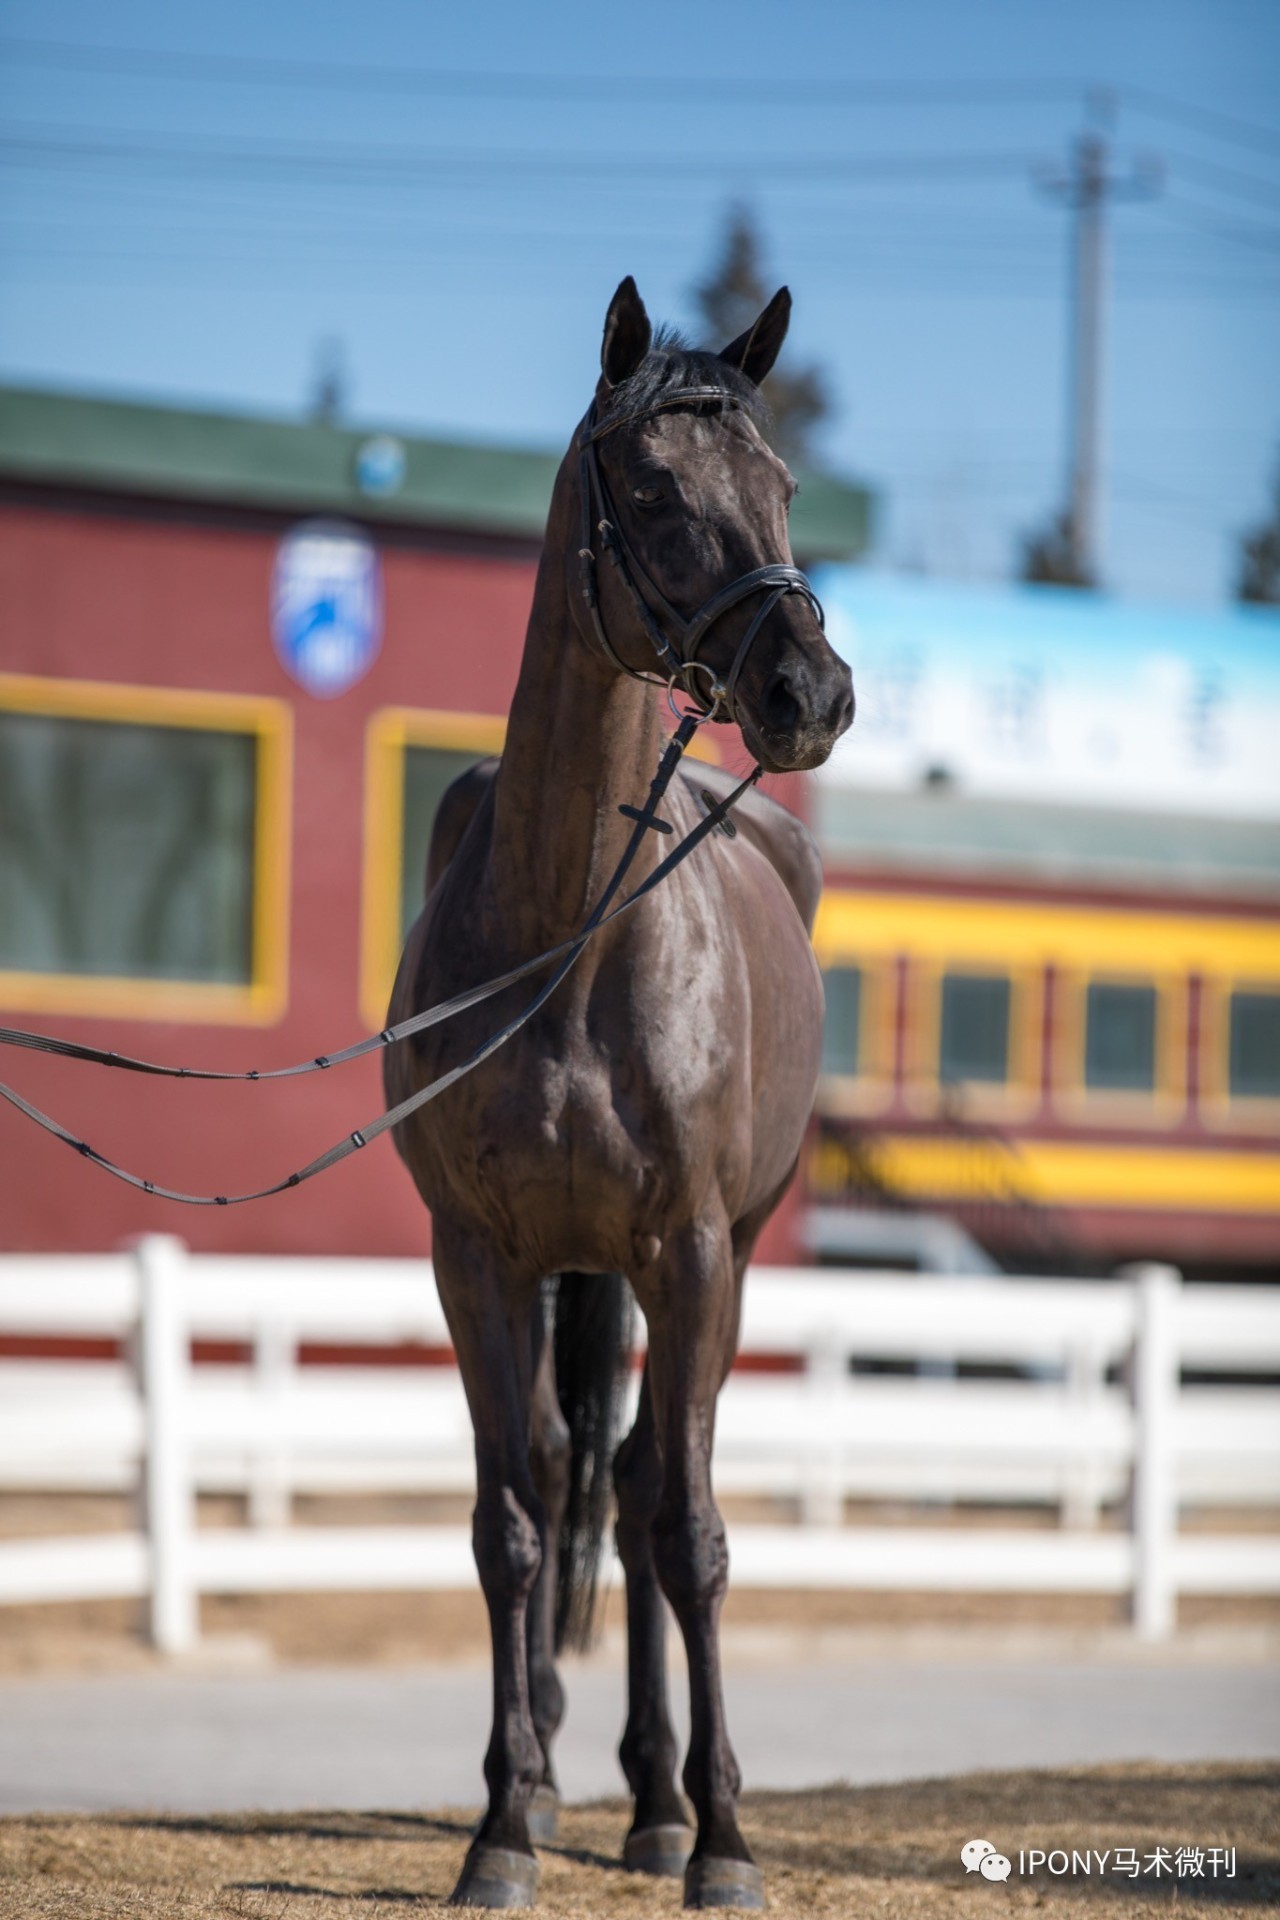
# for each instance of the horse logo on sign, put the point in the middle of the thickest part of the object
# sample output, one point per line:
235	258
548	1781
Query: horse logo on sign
326	606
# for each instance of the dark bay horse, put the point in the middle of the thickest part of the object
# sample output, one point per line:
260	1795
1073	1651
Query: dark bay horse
646	1120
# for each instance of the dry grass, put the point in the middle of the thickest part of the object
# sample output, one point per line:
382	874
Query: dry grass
839	1851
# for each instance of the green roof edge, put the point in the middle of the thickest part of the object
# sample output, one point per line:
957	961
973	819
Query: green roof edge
75	440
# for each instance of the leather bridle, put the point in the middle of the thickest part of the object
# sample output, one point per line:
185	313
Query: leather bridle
676	647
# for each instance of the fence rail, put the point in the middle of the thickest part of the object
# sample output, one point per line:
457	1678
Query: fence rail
1097	1415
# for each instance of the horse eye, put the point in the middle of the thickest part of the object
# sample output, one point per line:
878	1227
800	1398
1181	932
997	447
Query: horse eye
646	496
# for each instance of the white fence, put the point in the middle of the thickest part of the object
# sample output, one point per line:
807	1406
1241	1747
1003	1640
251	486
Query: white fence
1064	1434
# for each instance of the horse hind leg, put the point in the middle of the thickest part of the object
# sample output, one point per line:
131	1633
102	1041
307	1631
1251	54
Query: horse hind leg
660	1839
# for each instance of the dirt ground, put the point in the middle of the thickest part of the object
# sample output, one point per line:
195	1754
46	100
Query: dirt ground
839	1852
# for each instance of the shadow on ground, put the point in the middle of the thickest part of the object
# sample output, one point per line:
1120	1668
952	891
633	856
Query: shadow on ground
837	1851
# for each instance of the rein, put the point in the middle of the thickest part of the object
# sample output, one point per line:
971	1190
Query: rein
564	957
678	658
714	699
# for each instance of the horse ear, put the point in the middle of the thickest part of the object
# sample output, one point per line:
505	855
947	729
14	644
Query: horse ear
755	351
627	334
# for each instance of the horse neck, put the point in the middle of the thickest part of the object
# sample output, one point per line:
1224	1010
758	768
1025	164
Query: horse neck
582	739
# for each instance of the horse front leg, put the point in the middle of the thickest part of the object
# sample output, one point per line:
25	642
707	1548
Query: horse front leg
490	1315
693	1322
660	1840
549	1460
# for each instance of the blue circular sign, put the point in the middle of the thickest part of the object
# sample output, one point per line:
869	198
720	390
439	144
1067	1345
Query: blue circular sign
326	606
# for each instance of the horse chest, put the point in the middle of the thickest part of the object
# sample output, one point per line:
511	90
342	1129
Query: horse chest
592	1139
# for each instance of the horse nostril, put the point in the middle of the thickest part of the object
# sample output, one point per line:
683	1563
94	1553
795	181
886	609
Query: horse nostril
780	708
842	711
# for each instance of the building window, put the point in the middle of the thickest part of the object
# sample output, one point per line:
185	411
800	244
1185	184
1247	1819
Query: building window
428	771
1254	1046
975	1028
411	757
840	1029
142	853
1120	1038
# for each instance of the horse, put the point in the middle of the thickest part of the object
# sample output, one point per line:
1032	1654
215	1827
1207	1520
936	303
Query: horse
641	1126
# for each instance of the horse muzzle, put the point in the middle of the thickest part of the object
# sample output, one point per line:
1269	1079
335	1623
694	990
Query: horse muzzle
803	708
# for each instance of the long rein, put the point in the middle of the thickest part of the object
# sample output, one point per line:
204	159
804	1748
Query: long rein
716	700
563	957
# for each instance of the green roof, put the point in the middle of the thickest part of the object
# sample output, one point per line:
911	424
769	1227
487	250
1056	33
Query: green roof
60	439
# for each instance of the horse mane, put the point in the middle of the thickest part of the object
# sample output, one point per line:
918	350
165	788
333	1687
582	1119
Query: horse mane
671	363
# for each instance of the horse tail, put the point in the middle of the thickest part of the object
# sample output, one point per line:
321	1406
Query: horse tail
593	1319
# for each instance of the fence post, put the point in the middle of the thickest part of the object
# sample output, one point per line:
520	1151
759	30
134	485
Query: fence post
274	1358
1082	1489
164	1351
822	1489
1155	1486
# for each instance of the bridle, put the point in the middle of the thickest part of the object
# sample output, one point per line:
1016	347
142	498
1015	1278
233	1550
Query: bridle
677	648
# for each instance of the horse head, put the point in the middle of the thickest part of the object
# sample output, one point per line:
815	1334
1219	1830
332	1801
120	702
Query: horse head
678	485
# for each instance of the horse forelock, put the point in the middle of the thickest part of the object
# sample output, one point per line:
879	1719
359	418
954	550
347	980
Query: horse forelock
672	363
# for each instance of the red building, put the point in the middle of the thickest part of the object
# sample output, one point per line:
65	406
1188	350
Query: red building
204	858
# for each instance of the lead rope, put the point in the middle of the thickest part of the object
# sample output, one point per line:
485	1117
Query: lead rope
567	955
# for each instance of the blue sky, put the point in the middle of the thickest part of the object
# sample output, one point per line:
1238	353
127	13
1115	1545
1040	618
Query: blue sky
192	200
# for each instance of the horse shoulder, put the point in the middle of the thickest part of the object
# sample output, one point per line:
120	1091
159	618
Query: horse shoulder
785	842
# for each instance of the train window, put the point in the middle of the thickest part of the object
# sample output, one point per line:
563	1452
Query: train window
1254	1046
975	1027
141	856
428	771
1120	1037
840	1030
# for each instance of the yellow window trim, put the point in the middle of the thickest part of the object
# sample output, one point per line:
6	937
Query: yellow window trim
983	933
262	1000
390	732
1220	1105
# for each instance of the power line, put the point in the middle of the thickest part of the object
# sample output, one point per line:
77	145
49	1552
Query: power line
283	228
1248	186
256	69
1189	212
292	71
1205	119
283	157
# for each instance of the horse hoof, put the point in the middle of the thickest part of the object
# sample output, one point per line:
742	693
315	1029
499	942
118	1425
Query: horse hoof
658	1850
544	1813
723	1883
496	1877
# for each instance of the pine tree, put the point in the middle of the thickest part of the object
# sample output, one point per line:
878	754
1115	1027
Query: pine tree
1259	576
728	301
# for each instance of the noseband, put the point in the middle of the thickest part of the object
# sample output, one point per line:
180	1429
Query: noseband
676	649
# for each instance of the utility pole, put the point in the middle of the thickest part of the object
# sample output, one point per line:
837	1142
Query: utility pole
1086	187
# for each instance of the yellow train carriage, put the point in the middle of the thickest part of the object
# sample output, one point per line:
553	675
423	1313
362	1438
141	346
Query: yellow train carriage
1108	1065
